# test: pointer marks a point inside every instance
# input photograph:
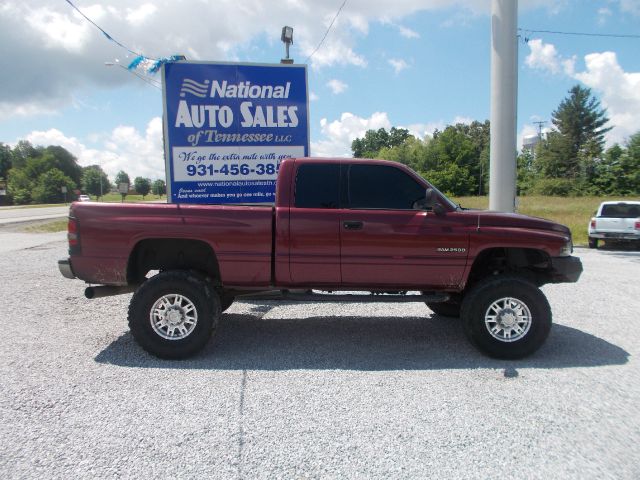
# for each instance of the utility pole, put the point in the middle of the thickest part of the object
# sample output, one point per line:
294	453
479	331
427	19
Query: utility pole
540	124
504	96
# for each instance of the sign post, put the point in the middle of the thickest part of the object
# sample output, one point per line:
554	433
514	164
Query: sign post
227	127
123	188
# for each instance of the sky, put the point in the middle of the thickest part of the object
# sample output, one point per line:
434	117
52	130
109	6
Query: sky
417	64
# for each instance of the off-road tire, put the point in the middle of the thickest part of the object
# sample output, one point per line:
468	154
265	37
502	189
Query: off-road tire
478	314
198	295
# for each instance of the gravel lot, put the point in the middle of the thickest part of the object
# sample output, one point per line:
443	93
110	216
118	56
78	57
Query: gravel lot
315	391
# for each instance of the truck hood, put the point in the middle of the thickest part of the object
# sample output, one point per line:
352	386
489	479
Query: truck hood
516	220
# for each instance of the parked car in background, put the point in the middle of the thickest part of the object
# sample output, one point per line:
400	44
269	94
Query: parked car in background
84	198
615	222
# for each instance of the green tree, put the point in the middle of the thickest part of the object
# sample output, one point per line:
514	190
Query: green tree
455	159
376	140
19	186
628	180
453	179
122	177
22	152
64	161
48	187
159	188
95	181
575	147
5	160
142	186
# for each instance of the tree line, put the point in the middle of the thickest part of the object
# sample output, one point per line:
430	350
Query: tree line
35	174
571	159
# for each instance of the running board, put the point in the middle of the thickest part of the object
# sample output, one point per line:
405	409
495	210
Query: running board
297	296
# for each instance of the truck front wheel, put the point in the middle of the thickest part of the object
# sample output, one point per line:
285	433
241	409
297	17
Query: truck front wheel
506	317
173	314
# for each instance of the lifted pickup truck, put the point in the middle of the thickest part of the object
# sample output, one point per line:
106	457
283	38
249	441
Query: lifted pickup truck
615	222
338	225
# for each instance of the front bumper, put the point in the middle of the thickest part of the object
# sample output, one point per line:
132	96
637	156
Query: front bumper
65	268
565	269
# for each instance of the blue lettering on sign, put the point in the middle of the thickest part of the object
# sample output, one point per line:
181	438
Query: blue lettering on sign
228	127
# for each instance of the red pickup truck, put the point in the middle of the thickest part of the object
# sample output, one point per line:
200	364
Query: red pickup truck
338	225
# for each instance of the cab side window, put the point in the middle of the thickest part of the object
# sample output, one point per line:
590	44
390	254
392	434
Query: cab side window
382	187
317	186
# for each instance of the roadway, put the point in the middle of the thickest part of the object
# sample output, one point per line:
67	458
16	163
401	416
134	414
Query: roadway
10	215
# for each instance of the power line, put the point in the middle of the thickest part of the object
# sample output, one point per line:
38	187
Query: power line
150	81
582	34
109	37
327	32
144	78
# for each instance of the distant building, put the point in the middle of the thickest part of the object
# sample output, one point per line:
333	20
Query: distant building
529	142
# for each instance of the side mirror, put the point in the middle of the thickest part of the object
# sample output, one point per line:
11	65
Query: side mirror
431	201
430	198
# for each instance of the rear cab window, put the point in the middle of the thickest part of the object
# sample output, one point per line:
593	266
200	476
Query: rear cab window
620	210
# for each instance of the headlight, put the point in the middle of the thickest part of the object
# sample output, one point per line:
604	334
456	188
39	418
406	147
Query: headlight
567	248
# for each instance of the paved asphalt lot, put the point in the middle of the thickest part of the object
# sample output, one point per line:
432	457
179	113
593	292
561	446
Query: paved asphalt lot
315	391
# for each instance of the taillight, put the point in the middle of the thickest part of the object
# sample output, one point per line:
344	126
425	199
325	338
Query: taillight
637	224
593	223
72	235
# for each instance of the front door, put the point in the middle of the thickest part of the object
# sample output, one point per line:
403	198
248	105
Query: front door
387	242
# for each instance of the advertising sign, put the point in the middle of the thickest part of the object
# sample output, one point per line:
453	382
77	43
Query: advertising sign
228	126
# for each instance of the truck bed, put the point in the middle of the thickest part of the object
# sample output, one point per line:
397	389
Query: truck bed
110	232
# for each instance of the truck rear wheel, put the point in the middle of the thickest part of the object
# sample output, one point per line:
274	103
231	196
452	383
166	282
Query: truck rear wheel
173	314
593	242
506	317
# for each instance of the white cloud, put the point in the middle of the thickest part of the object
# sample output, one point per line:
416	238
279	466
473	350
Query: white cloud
398	64
138	154
339	134
544	56
313	97
51	37
619	90
336	86
630	6
604	14
407	32
422	130
137	16
58	30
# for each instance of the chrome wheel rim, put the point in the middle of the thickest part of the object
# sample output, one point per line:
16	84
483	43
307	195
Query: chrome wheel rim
508	319
173	316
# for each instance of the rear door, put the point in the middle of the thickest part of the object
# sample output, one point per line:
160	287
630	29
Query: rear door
314	225
387	241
